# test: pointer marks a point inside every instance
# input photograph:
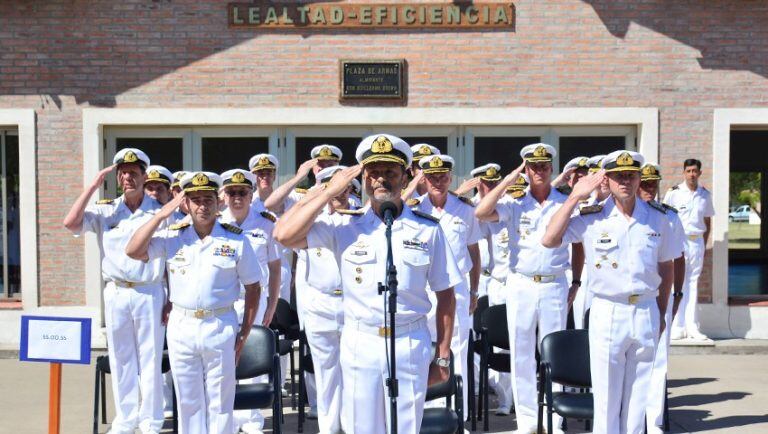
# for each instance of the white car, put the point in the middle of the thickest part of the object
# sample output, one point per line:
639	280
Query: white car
740	214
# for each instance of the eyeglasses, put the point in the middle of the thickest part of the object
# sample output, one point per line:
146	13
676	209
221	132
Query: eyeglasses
237	193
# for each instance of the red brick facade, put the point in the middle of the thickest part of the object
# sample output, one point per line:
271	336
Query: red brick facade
684	58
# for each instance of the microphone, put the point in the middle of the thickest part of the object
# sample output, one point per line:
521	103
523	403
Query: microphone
388	210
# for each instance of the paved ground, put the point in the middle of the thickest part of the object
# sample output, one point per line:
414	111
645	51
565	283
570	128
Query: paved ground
709	393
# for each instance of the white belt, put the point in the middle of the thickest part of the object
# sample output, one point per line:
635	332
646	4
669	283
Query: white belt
539	278
629	299
203	313
400	329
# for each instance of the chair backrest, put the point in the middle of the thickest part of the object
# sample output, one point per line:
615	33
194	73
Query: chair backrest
444	389
257	355
567	352
285	317
494	321
482	305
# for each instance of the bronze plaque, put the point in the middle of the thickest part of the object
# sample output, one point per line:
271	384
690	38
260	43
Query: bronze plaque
372	79
264	14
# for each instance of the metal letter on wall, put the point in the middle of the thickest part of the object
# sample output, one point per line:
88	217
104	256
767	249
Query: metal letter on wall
268	15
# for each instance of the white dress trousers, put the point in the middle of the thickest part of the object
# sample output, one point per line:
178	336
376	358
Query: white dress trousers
135	347
687	318
622	341
203	365
531	304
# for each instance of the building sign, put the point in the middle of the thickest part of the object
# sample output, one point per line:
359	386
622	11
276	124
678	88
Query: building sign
262	14
380	79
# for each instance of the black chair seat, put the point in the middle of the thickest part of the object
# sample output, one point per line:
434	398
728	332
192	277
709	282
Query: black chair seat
249	396
477	346
499	362
439	421
573	405
284	347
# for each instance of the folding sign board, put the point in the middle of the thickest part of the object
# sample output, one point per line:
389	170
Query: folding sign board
55	339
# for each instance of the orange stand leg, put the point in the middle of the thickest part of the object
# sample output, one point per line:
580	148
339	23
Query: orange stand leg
54	401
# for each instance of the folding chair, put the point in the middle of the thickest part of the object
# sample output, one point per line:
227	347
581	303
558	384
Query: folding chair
259	357
565	360
494	335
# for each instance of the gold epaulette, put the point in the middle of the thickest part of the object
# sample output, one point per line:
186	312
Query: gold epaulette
179	226
232	228
412	202
466	200
267	215
590	209
105	202
657	206
426	216
357	212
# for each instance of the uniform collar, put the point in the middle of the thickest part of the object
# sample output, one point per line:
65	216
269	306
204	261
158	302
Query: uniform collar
406	217
147	203
639	214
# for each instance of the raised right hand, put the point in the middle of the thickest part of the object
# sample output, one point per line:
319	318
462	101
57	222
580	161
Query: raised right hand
169	208
306	167
102	175
587	185
341	180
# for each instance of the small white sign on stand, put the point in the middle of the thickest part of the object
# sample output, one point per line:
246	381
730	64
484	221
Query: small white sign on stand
55	340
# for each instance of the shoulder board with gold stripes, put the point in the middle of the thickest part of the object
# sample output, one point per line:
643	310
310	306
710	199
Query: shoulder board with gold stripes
669	208
300	190
412	202
179	226
564	189
426	216
105	201
657	206
675	187
267	215
357	212
462	198
590	209
232	228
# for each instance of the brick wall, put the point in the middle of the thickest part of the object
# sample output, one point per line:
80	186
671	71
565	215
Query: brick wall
684	57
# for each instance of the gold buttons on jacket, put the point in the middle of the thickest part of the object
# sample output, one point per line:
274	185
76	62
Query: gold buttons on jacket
358	279
359	270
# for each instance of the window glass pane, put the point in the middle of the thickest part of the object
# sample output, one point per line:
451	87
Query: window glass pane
224	153
304	145
504	151
163	151
744	210
572	147
10	208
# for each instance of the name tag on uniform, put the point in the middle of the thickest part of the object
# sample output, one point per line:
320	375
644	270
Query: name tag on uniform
604	242
525	221
414	244
257	235
224	250
179	256
654	234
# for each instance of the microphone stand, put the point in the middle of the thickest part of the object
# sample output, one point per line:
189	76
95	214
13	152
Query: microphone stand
391	287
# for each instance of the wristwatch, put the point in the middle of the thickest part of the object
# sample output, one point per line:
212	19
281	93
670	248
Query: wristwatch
442	362
576	282
677	294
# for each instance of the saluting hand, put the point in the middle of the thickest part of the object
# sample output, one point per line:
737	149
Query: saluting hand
102	175
306	167
341	179
169	208
587	185
467	186
512	177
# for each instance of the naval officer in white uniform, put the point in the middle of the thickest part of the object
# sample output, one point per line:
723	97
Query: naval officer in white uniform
629	249
422	256
207	261
133	296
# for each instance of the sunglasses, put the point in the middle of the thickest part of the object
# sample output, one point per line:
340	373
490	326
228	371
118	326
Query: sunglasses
237	193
